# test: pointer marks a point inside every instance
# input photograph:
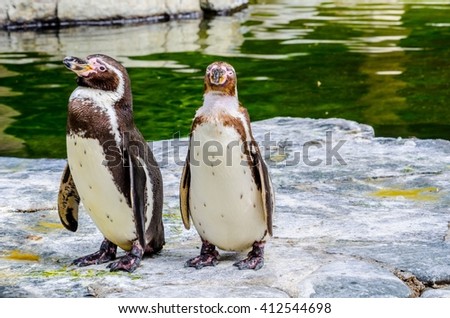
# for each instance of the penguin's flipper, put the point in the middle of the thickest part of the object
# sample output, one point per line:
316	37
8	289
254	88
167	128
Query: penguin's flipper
68	201
138	190
264	184
184	192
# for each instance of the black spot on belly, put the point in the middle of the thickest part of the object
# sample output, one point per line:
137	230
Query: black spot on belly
74	143
242	196
90	187
81	165
204	204
222	216
84	151
213	173
254	205
199	223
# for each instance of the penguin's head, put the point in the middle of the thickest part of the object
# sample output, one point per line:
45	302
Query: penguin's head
221	78
98	71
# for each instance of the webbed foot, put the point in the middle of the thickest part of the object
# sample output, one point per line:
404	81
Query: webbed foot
255	258
130	261
208	257
106	253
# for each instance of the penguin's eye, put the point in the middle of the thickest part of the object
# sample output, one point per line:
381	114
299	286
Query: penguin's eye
231	73
102	68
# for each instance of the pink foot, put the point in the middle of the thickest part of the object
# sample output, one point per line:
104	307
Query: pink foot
208	257
255	258
130	261
106	253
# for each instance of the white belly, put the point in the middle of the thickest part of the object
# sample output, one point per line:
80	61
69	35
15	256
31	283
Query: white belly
104	203
225	205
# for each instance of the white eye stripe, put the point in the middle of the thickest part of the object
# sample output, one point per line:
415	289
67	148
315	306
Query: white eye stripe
100	65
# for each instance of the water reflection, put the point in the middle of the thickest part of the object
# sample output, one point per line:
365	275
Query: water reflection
9	144
379	32
378	63
177	36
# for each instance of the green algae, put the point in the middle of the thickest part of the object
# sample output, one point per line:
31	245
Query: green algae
422	194
16	255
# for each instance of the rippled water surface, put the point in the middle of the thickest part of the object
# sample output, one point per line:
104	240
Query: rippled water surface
385	63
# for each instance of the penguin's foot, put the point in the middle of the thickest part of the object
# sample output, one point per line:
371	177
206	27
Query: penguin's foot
208	257
106	253
130	261
255	258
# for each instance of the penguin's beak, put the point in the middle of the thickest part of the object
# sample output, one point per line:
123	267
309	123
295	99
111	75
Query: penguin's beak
78	66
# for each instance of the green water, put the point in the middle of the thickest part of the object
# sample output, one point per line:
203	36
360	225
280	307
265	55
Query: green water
383	64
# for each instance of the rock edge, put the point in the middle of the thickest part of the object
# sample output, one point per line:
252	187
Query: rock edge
32	14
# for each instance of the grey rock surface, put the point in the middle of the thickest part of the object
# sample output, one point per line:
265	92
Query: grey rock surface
437	293
354	279
52	12
356	216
